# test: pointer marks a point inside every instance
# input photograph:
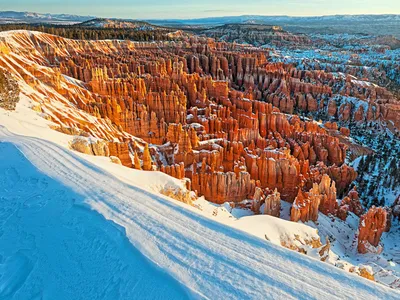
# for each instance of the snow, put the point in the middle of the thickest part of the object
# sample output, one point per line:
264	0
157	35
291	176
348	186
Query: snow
343	253
87	209
274	229
53	246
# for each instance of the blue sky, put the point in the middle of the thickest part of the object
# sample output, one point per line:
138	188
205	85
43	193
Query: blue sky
203	8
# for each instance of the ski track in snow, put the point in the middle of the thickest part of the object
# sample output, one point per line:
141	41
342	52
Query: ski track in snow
53	248
213	260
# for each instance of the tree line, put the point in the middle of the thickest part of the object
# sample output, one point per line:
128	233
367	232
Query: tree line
86	33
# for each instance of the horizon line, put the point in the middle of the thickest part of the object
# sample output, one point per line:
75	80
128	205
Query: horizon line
211	17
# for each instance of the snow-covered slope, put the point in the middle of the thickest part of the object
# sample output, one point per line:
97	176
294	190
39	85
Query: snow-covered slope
211	259
52	247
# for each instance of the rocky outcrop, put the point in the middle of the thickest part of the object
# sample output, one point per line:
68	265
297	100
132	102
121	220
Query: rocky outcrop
176	170
9	90
363	272
300	244
82	145
100	148
305	206
350	203
343	176
115	160
182	195
147	161
136	161
216	113
372	225
221	187
121	150
270	199
272	204
327	188
90	146
325	249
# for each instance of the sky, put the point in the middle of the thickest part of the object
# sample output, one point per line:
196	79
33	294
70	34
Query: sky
174	9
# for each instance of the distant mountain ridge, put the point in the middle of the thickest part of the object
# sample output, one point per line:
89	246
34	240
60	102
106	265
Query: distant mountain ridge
32	17
284	19
384	24
44	17
387	24
117	23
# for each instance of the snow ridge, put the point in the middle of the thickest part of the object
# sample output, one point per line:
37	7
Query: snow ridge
213	260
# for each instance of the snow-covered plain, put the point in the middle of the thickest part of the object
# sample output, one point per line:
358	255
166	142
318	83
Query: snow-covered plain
77	226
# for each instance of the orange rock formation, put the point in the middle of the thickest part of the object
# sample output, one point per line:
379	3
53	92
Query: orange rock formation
216	113
372	225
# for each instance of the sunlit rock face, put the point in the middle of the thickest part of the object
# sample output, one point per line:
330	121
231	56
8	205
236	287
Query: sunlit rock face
220	114
305	206
372	225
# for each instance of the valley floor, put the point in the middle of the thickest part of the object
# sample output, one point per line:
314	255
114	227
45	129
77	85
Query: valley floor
72	229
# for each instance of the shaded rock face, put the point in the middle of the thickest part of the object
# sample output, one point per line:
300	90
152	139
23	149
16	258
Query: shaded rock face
213	112
136	160
273	204
372	225
9	90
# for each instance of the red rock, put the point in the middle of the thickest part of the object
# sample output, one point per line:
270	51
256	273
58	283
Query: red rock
351	203
136	160
305	206
176	170
345	131
202	102
327	188
220	187
272	201
331	125
372	225
332	108
121	150
147	161
342	176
